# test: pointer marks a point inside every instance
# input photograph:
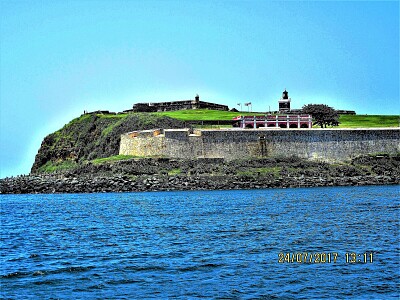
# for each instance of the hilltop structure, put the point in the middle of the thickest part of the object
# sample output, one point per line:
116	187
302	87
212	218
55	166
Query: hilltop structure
284	106
176	105
284	102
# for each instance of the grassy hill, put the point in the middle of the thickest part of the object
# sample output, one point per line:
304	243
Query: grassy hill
92	137
346	121
349	121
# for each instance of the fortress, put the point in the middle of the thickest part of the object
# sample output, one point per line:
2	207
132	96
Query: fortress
283	103
176	105
257	136
317	144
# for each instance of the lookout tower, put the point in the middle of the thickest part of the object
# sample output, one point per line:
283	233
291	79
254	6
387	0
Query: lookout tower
284	102
196	102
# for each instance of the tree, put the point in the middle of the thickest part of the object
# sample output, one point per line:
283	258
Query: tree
322	114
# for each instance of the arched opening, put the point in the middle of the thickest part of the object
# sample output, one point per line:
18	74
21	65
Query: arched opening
293	126
260	125
303	126
271	125
282	126
249	126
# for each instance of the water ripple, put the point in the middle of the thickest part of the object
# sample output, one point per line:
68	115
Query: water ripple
204	244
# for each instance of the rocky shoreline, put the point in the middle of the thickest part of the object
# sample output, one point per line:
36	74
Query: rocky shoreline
122	183
138	175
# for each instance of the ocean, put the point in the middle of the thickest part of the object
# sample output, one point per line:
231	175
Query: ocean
303	243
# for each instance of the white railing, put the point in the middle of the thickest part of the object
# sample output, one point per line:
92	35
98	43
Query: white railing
277	121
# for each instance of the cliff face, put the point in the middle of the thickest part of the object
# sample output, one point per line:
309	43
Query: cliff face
94	136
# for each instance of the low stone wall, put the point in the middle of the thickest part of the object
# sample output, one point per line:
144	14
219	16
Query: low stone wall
321	144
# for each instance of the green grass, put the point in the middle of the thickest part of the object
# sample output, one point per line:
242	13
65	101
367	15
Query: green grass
51	167
202	114
353	121
174	172
112	158
110	127
346	121
112	116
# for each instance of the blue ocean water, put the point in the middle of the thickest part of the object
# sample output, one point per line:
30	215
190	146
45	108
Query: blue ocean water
203	244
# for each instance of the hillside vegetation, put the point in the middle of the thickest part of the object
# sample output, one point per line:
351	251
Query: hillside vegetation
91	137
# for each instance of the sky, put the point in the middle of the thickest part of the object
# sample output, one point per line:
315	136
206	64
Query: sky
59	58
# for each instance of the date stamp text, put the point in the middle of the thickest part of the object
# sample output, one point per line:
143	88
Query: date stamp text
325	257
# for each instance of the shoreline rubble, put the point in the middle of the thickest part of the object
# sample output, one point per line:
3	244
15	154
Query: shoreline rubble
138	175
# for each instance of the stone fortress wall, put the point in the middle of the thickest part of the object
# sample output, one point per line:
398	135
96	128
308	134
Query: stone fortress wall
176	105
317	144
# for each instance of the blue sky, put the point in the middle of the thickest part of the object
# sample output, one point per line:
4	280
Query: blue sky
59	58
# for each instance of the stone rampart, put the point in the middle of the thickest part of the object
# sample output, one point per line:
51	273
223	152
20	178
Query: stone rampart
143	143
321	144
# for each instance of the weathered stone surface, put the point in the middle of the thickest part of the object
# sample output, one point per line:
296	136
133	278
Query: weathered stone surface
316	144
